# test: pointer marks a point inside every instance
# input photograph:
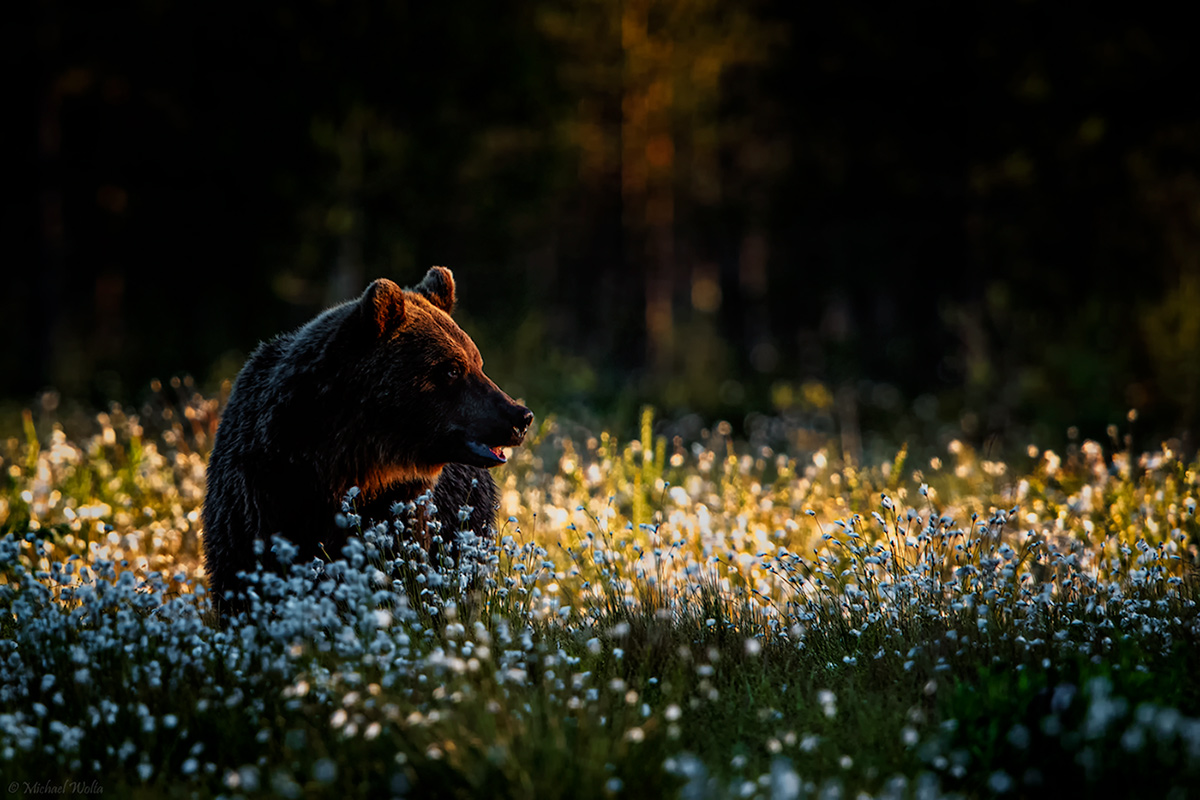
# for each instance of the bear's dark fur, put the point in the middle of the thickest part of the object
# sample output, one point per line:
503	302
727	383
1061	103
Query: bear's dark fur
385	393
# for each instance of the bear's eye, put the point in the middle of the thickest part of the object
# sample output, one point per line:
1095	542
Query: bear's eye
453	372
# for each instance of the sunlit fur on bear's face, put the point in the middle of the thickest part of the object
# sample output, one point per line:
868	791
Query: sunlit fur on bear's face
431	404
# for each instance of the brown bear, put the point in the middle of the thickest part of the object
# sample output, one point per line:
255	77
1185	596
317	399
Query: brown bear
384	393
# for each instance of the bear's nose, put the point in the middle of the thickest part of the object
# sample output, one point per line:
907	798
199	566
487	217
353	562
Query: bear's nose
526	420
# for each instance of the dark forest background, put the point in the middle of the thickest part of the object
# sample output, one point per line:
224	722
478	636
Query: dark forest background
983	218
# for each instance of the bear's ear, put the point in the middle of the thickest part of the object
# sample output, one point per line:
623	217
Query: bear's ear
383	306
438	288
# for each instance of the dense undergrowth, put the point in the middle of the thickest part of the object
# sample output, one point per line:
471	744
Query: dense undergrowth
707	618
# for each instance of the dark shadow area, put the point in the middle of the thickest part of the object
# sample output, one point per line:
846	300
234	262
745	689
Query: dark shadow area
938	221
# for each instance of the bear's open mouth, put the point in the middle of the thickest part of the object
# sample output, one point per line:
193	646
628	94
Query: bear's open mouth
488	455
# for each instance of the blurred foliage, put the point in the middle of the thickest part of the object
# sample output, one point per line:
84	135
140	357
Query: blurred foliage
986	226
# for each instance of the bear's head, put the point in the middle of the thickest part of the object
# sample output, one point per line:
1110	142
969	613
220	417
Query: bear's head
422	399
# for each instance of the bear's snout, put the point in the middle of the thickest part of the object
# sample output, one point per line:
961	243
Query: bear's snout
520	418
493	424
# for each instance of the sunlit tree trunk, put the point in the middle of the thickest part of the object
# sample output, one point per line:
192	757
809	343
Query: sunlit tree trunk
647	172
665	144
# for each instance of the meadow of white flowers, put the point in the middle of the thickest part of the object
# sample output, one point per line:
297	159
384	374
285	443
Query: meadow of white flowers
705	618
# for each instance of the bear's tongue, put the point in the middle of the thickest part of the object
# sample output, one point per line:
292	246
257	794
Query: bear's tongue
494	455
